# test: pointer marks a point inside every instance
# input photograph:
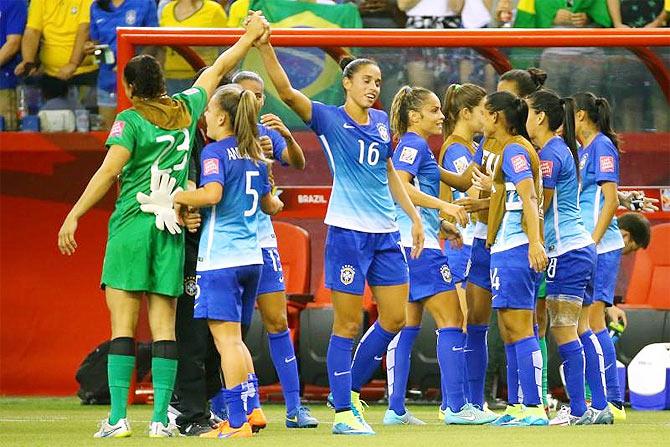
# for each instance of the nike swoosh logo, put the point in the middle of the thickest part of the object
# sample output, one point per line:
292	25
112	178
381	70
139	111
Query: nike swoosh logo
228	435
293	419
468	418
468	350
379	358
348	126
289	359
111	432
341	373
455	349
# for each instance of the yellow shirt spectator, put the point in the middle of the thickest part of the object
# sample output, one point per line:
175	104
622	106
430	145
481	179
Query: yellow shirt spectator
238	11
210	15
58	22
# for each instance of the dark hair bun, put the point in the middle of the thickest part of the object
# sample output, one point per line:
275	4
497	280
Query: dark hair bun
538	76
346	60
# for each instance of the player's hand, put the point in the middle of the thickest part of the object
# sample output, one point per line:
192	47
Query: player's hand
452	234
25	68
272	121
580	19
417	239
636	201
456	211
617	315
471	204
537	258
89	47
66	71
266	147
481	181
161	201
66	243
191	219
563	17
255	24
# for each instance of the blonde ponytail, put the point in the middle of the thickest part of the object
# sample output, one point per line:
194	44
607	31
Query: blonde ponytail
245	128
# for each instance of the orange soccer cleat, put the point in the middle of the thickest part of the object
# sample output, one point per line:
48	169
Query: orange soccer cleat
257	420
224	431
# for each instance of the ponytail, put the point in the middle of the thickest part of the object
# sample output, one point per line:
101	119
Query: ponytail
513	108
527	81
457	98
245	128
408	98
559	112
599	112
241	106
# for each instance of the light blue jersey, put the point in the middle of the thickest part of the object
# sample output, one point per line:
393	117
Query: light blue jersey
414	156
230	231
599	163
564	229
516	167
457	158
357	154
266	232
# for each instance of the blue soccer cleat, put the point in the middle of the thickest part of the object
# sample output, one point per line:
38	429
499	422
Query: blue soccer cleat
348	423
300	417
468	415
392	418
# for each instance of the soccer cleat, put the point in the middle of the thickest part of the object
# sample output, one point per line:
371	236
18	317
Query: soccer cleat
597	417
300	417
330	401
257	420
173	414
119	430
618	413
225	431
530	416
468	415
195	429
564	417
440	413
392	418
512	412
160	430
357	403
348	423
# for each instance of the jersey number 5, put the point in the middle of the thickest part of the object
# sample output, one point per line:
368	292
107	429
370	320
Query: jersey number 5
253	193
373	153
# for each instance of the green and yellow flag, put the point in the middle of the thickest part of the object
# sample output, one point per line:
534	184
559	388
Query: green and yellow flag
311	70
534	14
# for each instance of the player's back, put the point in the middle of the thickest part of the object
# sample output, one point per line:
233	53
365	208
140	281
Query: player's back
230	230
357	154
564	229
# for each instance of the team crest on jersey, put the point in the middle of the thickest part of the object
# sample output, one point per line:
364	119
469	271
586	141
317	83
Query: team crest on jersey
131	17
383	132
190	287
347	274
582	162
446	273
74	10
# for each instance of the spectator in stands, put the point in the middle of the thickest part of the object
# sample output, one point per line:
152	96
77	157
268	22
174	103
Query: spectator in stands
59	30
189	14
633	87
12	23
106	16
433	68
380	13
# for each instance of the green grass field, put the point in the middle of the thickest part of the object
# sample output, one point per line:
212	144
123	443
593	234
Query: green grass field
56	422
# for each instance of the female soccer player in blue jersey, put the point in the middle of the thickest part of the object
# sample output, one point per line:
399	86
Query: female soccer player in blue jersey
462	111
598	200
571	251
271	290
517	253
234	183
363	241
415	116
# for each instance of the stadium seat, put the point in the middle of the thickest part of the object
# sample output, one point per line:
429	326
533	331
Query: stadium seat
649	285
645	326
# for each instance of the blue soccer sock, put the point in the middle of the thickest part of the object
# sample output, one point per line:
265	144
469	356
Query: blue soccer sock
398	357
236	404
338	361
595	369
368	355
611	373
476	362
512	375
450	342
283	357
529	362
572	354
254	398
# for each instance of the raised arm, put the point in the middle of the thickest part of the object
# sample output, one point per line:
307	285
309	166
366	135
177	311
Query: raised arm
210	78
293	98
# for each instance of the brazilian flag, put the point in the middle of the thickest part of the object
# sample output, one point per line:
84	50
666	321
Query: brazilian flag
541	14
311	70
